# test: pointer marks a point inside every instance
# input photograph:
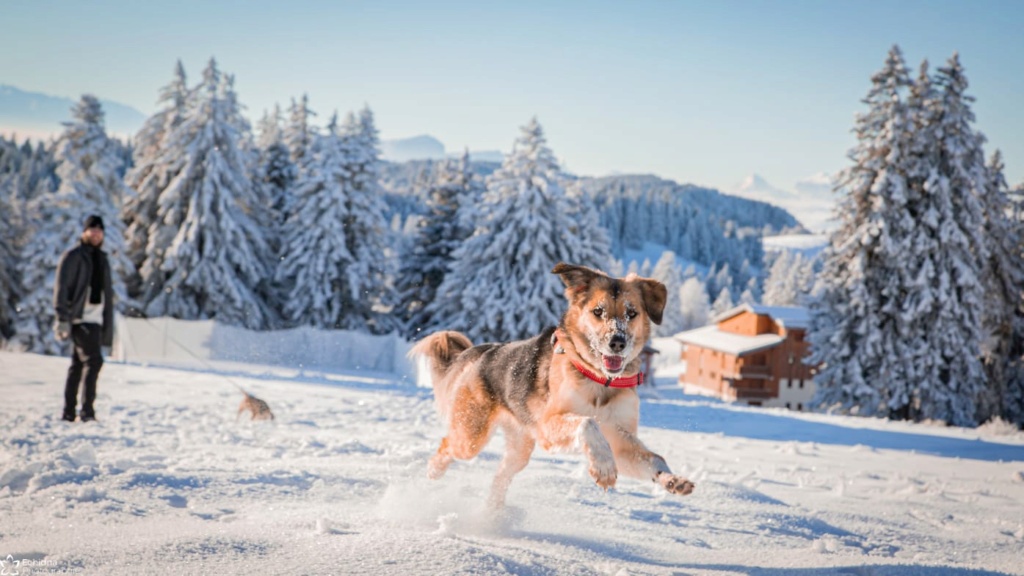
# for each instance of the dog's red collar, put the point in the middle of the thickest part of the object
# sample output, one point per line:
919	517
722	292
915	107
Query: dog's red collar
626	382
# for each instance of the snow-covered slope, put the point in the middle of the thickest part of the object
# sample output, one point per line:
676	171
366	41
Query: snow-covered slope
167	482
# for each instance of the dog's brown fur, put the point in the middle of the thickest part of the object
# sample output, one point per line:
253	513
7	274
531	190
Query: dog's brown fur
260	410
533	392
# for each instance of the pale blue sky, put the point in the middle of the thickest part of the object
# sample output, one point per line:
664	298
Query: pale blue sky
703	92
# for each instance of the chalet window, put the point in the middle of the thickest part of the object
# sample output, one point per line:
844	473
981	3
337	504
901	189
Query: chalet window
800	406
790	357
789	384
801	382
788	407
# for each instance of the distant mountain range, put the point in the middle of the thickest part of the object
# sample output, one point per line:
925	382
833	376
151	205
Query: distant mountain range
38	115
812	200
429	148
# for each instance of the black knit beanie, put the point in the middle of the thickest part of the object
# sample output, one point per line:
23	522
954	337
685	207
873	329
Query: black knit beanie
93	221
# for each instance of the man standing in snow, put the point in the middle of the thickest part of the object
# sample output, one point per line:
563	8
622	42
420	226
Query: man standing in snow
83	299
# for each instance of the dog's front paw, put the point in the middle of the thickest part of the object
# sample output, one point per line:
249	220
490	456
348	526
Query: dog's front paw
675	484
603	471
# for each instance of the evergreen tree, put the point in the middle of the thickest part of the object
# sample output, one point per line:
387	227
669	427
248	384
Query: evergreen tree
58	226
694	303
502	273
299	134
366	291
89	165
667	271
428	257
10	289
854	330
723	303
277	172
1013	394
155	168
314	256
897	321
1003	277
944	300
594	245
215	265
790	278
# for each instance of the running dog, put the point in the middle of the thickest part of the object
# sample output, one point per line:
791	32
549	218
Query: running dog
571	388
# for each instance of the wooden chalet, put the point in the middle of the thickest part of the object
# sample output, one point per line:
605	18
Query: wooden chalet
751	354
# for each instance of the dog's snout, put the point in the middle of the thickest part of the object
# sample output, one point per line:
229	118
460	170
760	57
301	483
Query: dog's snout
617	343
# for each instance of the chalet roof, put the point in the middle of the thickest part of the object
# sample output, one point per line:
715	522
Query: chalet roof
786	316
736	344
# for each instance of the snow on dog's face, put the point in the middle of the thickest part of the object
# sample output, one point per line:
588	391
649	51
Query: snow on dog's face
611	317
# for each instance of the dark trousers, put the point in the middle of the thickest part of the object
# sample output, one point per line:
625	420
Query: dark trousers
87	355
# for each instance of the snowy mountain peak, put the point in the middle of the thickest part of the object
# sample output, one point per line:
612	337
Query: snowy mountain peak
756	187
754	181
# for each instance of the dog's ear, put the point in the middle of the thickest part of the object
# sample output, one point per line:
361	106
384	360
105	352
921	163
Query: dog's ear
655	296
577	279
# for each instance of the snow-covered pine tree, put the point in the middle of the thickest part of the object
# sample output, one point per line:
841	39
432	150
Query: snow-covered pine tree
57	225
503	271
943	297
428	256
367	289
694	303
155	166
1003	278
594	245
39	175
667	271
10	288
277	171
747	296
314	256
789	279
216	263
855	330
299	134
898	320
1013	395
89	167
723	302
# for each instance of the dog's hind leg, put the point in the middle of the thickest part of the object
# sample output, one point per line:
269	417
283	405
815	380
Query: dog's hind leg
440	461
472	420
518	447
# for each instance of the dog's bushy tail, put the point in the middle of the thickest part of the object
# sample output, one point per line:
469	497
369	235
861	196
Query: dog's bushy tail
440	350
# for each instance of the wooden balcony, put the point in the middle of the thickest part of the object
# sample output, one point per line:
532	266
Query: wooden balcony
755	372
755	393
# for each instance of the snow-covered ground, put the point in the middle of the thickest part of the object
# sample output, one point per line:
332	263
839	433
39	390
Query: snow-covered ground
167	482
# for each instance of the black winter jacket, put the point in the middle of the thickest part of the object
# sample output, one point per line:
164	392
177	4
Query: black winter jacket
74	273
